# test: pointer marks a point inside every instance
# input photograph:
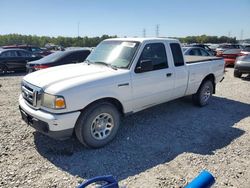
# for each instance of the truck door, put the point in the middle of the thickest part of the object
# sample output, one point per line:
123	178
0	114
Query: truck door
155	86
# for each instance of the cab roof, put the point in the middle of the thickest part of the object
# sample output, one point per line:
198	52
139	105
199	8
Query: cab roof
142	39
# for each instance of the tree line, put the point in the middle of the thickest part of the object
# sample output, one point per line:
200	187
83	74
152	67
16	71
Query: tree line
208	39
41	41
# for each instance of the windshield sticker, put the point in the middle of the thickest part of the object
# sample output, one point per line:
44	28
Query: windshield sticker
129	44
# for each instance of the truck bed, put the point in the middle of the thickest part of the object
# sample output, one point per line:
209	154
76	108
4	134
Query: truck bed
196	59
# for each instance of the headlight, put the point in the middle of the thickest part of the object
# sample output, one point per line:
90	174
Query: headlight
53	101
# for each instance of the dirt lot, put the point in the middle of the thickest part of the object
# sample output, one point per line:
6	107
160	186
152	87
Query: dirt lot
165	146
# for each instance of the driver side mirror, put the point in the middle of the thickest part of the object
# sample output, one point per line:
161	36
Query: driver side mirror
144	66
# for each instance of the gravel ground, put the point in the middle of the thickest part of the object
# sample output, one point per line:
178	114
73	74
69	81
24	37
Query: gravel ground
164	146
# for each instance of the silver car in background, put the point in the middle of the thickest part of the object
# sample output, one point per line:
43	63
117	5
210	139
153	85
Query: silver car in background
196	51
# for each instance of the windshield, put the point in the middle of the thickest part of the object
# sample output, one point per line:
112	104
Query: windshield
247	48
246	58
184	49
53	57
115	53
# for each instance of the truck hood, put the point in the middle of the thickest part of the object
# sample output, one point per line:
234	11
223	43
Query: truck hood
66	75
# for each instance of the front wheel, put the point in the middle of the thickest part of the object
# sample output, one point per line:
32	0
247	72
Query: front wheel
237	74
3	69
98	125
204	93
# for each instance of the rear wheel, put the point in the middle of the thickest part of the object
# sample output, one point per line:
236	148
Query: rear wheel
237	73
3	69
204	93
98	125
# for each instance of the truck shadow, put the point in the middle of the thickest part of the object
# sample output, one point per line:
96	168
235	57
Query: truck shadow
151	137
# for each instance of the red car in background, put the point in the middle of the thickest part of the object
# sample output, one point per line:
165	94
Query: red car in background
229	52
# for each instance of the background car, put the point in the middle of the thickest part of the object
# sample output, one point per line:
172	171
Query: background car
246	50
14	59
206	47
242	66
197	51
223	47
37	51
59	58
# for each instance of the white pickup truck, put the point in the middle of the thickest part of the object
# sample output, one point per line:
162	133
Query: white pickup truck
121	76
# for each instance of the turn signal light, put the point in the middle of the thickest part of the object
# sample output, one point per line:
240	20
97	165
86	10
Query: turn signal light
60	103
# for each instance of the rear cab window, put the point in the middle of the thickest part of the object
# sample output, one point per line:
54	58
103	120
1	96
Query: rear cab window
177	54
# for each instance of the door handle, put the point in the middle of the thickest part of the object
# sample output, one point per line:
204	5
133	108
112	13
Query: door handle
168	74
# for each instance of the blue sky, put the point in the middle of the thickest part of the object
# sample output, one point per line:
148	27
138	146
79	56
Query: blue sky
176	18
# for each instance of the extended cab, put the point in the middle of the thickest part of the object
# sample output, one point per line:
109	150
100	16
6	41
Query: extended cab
120	77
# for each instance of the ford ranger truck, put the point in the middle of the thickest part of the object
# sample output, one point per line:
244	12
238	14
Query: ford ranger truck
120	77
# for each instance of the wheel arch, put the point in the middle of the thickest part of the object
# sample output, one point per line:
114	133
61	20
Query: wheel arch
210	77
4	65
111	100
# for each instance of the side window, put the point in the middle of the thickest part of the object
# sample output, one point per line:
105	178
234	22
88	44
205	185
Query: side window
195	51
24	54
11	53
177	54
191	52
207	48
35	49
4	54
203	52
157	54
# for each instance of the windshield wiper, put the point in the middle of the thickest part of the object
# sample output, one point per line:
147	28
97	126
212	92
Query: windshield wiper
106	64
87	61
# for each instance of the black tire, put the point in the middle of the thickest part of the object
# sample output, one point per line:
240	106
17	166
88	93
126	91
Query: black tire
204	93
3	69
87	130
237	74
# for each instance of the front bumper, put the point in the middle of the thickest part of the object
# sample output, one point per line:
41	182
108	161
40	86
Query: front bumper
58	126
242	69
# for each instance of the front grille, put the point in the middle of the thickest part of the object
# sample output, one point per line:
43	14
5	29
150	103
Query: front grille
31	94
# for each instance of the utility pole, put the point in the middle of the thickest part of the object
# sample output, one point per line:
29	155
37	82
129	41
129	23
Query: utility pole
241	34
157	30
229	35
144	33
78	36
78	25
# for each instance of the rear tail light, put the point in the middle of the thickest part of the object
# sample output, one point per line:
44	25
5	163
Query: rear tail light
39	67
219	53
241	54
